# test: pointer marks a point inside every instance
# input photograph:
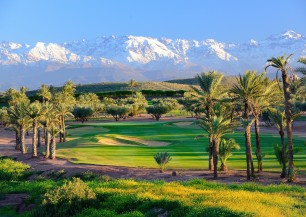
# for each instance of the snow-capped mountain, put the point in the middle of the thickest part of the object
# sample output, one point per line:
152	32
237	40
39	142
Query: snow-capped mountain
142	58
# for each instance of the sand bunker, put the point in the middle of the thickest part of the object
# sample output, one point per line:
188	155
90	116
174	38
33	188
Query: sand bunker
119	141
114	142
185	123
144	142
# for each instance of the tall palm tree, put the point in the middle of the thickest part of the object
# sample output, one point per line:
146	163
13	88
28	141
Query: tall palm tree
18	116
54	131
281	64
35	113
268	96
132	85
245	90
218	124
45	93
211	91
49	115
63	110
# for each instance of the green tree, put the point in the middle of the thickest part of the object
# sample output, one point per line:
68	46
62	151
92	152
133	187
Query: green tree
247	88
227	146
82	113
157	110
91	100
218	124
278	118
281	64
45	93
268	95
132	84
50	115
118	112
19	117
211	91
35	113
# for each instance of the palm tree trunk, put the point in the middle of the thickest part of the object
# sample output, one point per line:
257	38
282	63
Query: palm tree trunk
17	134
284	169
248	146
47	143
210	158
215	155
46	135
34	139
64	129
247	151
39	137
61	127
52	148
22	140
258	148
291	172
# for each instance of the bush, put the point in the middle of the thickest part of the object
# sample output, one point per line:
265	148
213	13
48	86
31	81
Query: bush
157	111
162	158
11	170
118	112
82	113
66	200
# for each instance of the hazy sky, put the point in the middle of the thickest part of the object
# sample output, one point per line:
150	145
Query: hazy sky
29	21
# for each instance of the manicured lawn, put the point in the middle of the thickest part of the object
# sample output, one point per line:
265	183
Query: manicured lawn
187	153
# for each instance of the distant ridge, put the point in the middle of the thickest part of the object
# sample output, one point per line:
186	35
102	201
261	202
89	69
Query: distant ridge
120	58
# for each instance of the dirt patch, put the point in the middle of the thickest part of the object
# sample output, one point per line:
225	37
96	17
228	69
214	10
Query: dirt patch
182	124
144	142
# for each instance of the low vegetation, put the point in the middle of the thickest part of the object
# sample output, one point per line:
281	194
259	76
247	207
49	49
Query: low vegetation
130	198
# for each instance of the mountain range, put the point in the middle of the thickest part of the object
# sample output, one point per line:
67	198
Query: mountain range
135	57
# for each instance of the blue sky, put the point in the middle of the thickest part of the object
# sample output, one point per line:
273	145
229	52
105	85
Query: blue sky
29	21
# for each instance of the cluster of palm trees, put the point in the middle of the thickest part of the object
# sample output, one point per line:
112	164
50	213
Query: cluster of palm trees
47	116
248	97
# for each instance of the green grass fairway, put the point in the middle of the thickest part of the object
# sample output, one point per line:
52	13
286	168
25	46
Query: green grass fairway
125	146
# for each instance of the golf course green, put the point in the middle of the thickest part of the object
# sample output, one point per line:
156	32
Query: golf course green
134	144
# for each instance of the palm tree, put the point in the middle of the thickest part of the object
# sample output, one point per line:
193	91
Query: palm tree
18	116
49	115
281	63
54	131
218	124
210	84
35	113
278	117
15	97
132	85
45	93
227	146
267	97
247	88
63	110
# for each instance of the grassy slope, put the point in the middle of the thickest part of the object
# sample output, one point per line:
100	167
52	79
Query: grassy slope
187	152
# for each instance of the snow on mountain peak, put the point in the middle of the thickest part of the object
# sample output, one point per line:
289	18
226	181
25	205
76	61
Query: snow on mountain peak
290	34
253	42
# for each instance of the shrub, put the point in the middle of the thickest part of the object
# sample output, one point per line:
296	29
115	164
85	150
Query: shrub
157	110
82	113
66	200
11	170
118	112
162	158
